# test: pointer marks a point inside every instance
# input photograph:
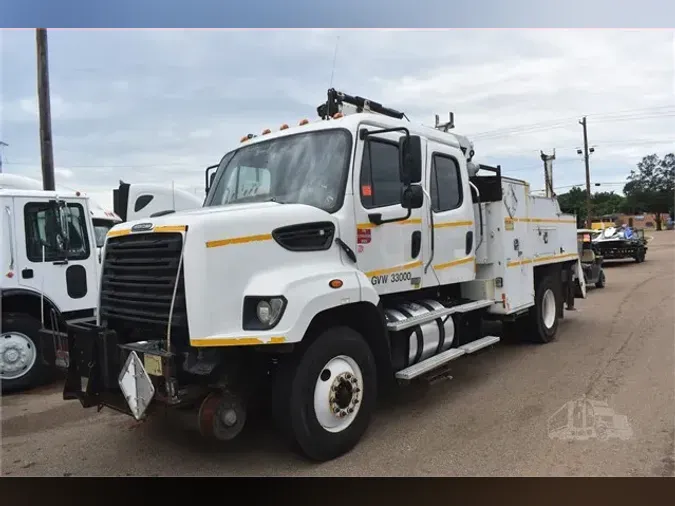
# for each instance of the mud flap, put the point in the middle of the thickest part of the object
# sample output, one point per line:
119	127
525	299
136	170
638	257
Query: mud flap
579	280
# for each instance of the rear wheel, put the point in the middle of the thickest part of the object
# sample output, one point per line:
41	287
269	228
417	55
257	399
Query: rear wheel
323	399
601	280
21	360
543	317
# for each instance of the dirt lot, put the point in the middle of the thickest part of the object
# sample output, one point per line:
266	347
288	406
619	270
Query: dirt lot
491	419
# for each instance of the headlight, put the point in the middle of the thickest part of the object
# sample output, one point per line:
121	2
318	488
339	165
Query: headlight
262	313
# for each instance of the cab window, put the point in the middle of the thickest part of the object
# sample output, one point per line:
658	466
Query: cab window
446	183
380	181
43	230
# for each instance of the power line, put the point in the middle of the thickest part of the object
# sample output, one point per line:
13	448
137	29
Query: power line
565	123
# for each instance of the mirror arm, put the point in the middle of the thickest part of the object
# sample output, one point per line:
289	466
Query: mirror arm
376	218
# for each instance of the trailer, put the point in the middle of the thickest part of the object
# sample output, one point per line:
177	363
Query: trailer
331	263
613	244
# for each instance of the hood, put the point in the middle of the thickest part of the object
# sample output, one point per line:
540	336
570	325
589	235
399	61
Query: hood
236	220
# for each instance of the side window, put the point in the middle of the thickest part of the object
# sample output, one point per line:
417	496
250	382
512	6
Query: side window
43	230
379	182
142	201
446	184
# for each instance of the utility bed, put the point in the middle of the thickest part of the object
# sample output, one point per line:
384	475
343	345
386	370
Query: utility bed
520	231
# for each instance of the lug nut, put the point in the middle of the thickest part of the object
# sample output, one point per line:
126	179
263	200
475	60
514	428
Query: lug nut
336	410
356	401
357	390
353	380
350	410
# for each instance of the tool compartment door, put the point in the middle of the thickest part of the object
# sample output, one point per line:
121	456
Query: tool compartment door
452	207
390	254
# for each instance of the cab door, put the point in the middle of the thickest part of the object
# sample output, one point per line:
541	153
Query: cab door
69	280
390	254
454	241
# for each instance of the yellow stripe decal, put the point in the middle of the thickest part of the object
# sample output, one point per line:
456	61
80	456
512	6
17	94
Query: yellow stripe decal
380	272
447	265
238	240
160	229
117	233
170	228
547	258
236	341
411	221
465	223
539	220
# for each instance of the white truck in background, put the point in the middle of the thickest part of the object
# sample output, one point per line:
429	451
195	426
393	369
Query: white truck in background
330	262
49	275
103	219
39	294
143	200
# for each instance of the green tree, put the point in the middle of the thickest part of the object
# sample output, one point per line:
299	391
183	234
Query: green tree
651	187
574	202
607	203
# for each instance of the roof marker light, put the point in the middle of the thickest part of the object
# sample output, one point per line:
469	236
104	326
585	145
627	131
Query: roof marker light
266	131
283	127
303	122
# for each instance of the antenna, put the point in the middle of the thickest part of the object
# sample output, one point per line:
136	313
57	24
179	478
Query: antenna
332	72
445	126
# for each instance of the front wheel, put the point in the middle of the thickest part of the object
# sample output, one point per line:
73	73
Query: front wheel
21	361
324	398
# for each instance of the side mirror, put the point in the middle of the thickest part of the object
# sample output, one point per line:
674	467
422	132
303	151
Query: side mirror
210	176
410	161
412	197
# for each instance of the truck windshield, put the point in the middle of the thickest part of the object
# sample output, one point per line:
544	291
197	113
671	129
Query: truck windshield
308	168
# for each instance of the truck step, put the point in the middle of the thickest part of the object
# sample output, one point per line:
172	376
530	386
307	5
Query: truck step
479	344
438	313
436	361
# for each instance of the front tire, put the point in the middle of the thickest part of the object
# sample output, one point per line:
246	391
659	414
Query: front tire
543	318
21	360
324	398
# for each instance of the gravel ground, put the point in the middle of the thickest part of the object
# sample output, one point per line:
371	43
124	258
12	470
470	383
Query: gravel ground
491	419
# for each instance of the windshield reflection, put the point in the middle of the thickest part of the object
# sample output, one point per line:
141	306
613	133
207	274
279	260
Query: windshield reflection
308	168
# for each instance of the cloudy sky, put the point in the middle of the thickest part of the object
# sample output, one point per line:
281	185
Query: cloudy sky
160	105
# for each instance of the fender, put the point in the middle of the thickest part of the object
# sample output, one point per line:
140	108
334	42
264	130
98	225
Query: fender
49	304
307	291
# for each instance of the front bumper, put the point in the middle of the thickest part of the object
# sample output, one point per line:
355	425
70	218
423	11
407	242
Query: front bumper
132	378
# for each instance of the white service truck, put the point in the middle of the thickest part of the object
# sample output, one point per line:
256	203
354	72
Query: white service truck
330	262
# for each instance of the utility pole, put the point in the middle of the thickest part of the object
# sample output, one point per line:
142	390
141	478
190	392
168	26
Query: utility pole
548	172
46	148
589	216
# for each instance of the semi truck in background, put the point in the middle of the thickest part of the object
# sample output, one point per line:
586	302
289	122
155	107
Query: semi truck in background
330	262
141	200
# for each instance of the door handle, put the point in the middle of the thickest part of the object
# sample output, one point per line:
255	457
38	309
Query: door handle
27	273
416	243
